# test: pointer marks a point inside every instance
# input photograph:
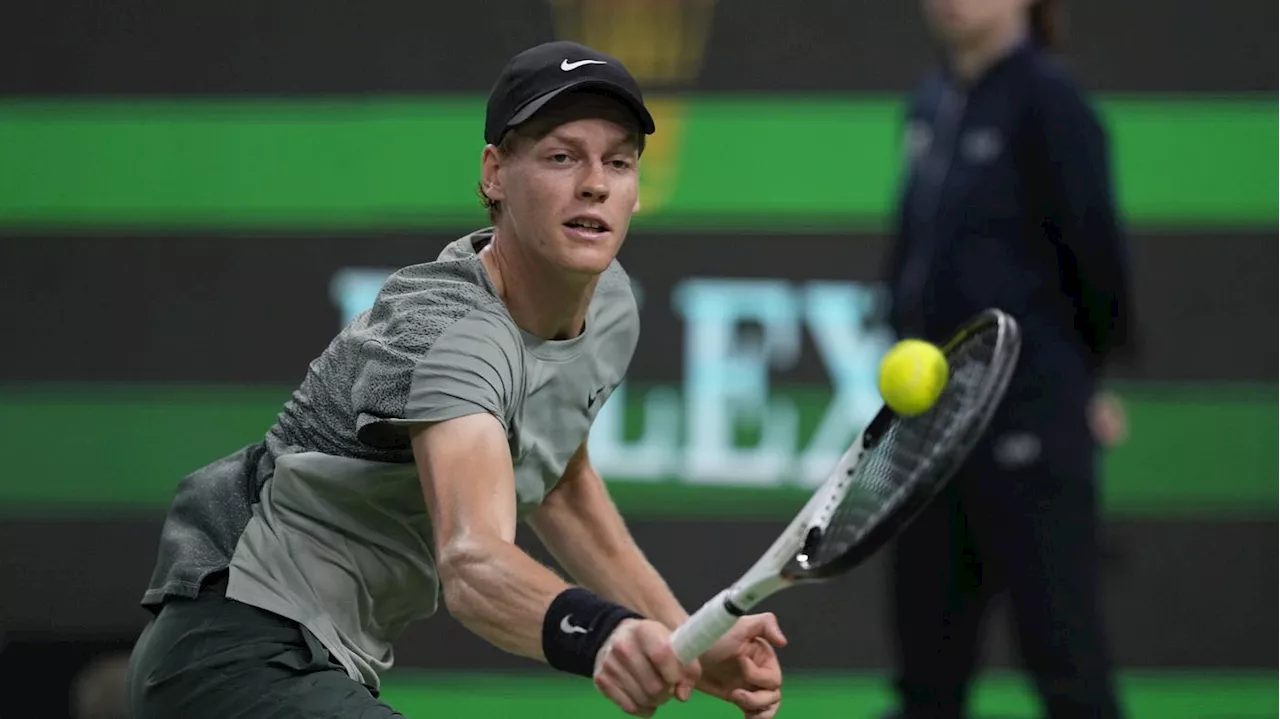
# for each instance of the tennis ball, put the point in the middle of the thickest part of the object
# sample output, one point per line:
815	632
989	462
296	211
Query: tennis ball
912	376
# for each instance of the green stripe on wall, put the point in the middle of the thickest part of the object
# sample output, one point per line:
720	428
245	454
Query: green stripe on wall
735	163
1200	452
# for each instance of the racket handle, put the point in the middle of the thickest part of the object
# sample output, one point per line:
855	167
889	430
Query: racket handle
703	629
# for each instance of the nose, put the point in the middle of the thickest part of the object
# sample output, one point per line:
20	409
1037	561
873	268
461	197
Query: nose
593	186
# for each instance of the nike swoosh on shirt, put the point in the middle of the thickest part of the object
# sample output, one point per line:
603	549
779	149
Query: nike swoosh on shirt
591	398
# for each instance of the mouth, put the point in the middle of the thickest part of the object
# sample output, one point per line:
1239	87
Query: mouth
587	225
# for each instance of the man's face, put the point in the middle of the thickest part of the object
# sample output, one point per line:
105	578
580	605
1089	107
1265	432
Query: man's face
959	22
569	194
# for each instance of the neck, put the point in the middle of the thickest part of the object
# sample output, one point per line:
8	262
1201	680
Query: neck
543	301
971	59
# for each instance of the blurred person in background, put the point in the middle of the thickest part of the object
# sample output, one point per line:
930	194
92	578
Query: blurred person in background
1008	203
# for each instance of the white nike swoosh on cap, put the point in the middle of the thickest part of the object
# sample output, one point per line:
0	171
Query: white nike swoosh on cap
567	66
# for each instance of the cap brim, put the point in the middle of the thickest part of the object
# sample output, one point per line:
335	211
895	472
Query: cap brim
633	103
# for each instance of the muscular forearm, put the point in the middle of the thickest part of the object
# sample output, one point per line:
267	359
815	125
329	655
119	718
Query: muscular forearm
617	570
648	593
500	593
585	533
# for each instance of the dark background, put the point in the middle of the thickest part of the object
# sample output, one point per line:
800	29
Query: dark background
271	47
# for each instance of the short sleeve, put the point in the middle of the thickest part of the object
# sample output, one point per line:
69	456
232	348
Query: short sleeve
470	368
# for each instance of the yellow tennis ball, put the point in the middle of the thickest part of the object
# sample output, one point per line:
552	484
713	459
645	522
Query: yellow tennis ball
912	376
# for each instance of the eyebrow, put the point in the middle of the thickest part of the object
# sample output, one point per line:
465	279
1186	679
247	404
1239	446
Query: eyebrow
632	139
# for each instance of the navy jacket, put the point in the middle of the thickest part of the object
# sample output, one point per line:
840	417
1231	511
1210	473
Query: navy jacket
1008	203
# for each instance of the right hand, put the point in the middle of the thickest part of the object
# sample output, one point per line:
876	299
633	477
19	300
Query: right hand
639	671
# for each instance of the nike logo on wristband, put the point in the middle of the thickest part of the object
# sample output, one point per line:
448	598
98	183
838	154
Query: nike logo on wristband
568	628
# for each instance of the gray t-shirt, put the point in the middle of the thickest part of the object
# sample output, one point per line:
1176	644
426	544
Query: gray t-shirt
324	521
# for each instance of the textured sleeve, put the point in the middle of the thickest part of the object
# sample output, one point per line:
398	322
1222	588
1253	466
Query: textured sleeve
471	367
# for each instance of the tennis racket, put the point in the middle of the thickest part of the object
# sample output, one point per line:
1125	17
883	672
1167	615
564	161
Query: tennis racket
891	471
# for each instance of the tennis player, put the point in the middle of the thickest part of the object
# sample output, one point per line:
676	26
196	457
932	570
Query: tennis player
457	406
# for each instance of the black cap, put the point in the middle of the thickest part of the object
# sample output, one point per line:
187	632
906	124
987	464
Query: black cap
538	74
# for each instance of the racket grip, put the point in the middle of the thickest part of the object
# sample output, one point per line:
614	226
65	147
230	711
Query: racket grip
703	629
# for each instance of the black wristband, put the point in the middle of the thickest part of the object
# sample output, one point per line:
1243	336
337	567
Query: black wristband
575	627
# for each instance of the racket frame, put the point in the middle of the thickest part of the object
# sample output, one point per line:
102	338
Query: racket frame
785	563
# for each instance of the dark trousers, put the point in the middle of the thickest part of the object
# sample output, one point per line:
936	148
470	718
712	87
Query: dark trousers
1024	526
215	658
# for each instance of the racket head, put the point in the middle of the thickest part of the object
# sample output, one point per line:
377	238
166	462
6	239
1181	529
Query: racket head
900	463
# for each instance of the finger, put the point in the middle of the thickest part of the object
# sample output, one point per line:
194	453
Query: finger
755	701
643	676
628	687
619	667
760	668
768	713
662	657
773	631
691	673
614	693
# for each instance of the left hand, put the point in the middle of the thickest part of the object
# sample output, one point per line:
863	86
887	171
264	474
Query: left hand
742	667
1107	420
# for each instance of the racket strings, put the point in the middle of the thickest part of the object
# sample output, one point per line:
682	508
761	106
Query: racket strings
908	450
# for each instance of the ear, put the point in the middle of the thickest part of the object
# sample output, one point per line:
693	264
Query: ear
490	181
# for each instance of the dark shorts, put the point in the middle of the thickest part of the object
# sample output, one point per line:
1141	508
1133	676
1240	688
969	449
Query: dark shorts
215	658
